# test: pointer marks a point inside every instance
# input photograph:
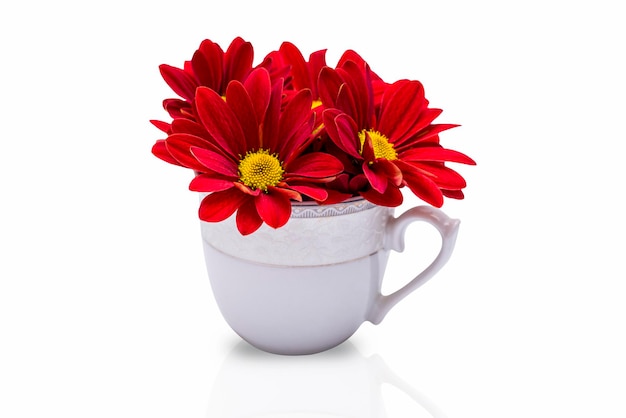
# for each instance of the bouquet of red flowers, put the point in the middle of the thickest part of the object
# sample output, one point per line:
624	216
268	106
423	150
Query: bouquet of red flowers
259	138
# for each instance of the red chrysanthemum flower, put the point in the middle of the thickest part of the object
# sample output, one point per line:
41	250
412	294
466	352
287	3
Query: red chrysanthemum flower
394	142
211	67
305	74
249	152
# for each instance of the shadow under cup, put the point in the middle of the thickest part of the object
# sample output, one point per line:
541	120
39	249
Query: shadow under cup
308	286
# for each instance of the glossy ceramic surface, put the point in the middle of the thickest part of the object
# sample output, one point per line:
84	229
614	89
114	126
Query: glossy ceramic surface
308	286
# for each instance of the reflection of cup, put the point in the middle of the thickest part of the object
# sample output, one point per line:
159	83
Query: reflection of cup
337	383
308	286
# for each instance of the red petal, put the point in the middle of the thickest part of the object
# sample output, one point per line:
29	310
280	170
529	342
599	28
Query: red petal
426	117
400	109
285	190
422	186
391	171
340	182
376	178
214	57
443	176
207	65
188	126
296	113
215	162
367	149
358	183
329	83
220	121
317	61
238	59
351	55
335	196
436	154
300	141
391	198
248	219
269	136
178	108
316	193
428	134
259	88
379	87
361	97
315	165
275	65
207	183
299	69
241	104
163	126
273	207
179	146
245	189
346	103
453	194
218	206
160	151
343	131
182	83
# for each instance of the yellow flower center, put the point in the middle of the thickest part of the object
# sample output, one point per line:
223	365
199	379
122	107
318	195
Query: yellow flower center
382	147
316	103
260	169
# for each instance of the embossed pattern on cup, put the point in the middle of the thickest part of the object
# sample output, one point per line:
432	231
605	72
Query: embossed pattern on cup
315	235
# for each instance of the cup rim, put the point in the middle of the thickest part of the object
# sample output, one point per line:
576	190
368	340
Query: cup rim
312	209
314	203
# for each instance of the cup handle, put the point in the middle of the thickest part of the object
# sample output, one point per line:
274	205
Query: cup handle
394	240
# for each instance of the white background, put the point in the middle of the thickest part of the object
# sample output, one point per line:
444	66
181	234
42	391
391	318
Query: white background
105	305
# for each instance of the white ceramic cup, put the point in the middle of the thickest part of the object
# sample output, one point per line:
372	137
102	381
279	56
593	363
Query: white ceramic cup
308	286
